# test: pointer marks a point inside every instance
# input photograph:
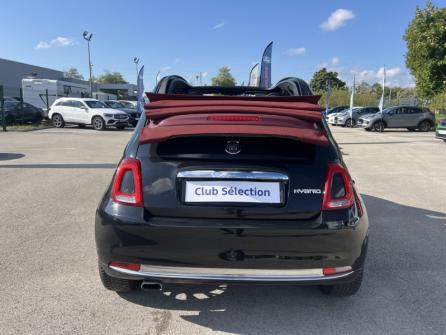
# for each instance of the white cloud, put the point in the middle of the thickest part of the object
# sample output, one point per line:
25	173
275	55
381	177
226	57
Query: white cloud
330	66
337	19
335	61
42	45
165	68
395	76
178	60
204	74
296	51
390	73
218	26
57	42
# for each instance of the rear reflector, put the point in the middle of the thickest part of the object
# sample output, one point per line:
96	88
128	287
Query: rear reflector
333	201
233	118
126	266
132	166
333	271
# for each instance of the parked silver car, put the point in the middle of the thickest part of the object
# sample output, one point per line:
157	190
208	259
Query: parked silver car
408	117
347	119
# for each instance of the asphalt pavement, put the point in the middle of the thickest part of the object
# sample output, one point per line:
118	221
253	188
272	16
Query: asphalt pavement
52	180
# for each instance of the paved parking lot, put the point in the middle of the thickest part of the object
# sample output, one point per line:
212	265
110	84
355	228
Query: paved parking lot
52	180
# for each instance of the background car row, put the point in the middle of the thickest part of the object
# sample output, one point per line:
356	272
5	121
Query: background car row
100	115
370	118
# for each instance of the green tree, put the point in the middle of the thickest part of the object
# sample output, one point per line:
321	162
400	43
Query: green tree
224	77
111	78
72	72
319	81
426	49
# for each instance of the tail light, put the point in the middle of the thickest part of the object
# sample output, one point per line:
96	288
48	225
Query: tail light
338	191
127	186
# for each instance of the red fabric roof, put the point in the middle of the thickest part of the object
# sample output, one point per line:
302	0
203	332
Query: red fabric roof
183	115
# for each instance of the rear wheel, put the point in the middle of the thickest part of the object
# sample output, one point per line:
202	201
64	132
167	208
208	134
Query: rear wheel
350	123
378	126
116	284
343	290
98	123
58	121
424	126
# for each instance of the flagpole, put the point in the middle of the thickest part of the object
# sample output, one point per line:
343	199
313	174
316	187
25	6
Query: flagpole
352	97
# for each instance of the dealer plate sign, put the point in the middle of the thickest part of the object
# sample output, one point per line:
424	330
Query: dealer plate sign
233	191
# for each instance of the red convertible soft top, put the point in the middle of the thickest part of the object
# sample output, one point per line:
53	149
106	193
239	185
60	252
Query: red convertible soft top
174	115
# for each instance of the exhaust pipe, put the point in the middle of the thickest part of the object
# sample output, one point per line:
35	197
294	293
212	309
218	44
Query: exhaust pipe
151	285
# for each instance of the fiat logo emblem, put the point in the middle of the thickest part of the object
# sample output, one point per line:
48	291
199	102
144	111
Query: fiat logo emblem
233	147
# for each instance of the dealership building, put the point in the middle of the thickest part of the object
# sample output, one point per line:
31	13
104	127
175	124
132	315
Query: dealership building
12	73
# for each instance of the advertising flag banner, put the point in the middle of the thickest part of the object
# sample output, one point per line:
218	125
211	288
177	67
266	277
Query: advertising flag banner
265	68
254	76
381	101
352	99
140	88
327	102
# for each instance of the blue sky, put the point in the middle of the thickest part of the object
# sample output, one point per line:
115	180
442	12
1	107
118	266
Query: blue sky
187	37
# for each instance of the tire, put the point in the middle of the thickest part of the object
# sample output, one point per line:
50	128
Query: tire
120	127
343	290
116	284
424	126
378	126
350	123
98	123
58	121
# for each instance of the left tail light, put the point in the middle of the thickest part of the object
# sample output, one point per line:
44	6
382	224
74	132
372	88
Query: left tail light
127	186
338	190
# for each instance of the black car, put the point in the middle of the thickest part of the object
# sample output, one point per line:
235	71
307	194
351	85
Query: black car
232	185
16	112
131	112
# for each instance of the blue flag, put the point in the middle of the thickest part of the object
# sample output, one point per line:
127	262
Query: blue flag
140	84
265	69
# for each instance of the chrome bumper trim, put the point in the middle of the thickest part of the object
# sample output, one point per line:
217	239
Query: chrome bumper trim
221	274
213	174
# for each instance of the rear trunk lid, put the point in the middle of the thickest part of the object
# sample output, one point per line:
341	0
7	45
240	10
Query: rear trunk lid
234	158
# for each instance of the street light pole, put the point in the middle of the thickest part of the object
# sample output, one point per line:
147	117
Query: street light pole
136	61
87	36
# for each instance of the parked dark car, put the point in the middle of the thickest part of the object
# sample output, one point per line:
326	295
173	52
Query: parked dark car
14	113
408	117
131	112
229	187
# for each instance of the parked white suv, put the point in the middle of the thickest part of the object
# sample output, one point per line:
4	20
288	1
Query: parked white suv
84	112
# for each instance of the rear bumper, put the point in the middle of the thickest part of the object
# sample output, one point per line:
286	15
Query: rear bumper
174	250
168	274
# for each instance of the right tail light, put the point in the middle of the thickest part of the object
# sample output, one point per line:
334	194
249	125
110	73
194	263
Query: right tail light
127	186
338	190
